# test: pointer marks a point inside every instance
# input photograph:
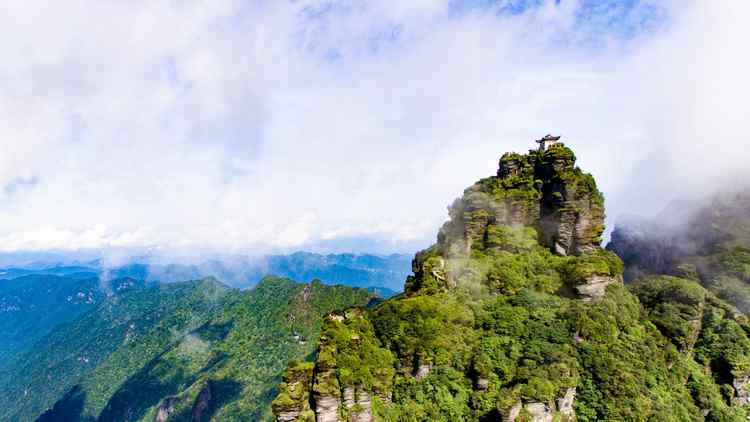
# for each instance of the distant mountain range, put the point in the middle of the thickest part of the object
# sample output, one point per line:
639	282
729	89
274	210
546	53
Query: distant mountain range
386	273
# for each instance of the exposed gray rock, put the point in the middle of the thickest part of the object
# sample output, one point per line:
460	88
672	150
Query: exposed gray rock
296	388
287	416
511	414
539	412
593	288
385	397
166	408
565	403
544	412
742	389
509	166
358	402
696	325
563	205
327	408
423	370
349	400
483	384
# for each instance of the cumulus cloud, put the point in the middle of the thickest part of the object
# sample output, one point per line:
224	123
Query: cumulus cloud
246	127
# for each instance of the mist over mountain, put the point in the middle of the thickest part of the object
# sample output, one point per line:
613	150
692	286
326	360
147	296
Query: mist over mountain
357	270
705	239
162	161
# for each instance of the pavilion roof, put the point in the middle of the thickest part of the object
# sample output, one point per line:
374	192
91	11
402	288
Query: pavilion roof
548	137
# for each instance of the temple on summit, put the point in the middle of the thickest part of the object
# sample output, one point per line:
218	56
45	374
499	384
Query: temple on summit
548	141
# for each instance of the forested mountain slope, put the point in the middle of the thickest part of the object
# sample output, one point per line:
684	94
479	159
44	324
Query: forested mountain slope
113	338
32	305
158	348
517	314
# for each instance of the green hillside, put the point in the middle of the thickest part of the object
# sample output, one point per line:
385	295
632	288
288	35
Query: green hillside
163	344
31	306
238	356
113	339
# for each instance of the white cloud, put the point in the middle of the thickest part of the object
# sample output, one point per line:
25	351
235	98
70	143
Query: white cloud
254	126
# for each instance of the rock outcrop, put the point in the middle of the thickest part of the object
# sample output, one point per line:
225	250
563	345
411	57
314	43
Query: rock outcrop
594	287
482	384
565	404
536	411
531	411
327	408
742	390
358	404
544	190
537	205
335	395
166	408
540	198
293	403
327	390
422	371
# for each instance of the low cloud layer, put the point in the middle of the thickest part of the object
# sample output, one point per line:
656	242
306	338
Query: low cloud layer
255	127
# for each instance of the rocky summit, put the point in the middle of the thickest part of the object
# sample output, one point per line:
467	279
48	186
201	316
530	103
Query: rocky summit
543	190
518	314
536	200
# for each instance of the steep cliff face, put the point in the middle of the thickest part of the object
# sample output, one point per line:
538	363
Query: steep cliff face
294	402
543	190
352	369
517	314
536	200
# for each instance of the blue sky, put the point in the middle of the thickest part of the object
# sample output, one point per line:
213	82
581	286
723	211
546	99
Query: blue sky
252	127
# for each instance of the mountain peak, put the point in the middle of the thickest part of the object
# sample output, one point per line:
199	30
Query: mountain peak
542	189
517	242
538	202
